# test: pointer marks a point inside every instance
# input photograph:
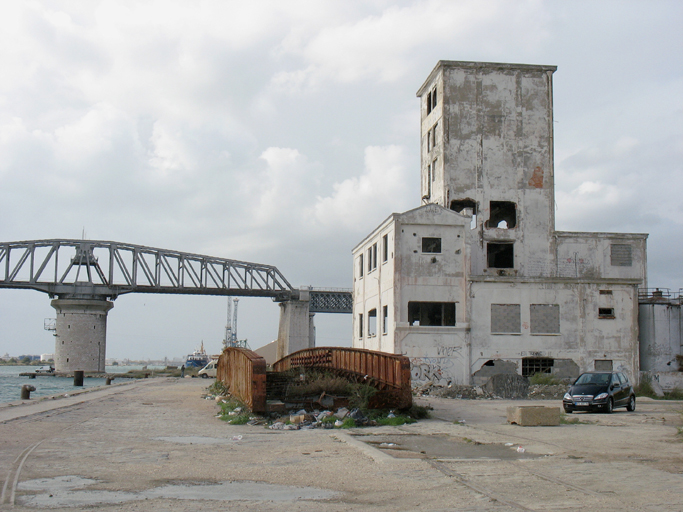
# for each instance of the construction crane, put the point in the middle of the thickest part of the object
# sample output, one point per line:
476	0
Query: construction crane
230	339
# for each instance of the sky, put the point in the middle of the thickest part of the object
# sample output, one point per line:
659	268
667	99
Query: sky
283	132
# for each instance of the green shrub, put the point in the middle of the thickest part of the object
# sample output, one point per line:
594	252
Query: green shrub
645	389
360	396
218	388
240	419
544	379
674	394
419	412
348	423
315	383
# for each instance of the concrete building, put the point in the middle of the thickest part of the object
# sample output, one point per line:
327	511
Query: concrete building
476	281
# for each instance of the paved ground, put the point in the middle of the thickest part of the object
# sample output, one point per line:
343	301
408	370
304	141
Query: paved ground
156	445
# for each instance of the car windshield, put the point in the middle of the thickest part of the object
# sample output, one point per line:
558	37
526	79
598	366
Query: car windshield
594	378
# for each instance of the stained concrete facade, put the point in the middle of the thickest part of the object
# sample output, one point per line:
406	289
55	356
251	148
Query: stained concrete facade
476	281
81	334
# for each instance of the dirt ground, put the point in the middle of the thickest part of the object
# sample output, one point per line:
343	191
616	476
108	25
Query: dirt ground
156	445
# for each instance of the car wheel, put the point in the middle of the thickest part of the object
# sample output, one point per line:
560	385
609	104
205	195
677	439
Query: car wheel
568	410
205	376
610	406
631	404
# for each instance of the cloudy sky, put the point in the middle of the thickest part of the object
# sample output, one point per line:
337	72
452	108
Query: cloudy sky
282	132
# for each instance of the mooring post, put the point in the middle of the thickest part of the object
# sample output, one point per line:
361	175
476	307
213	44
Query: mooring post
108	381
78	377
26	391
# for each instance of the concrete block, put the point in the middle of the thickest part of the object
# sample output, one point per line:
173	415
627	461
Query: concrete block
534	416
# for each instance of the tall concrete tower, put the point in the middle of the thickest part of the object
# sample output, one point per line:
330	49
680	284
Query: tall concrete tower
487	145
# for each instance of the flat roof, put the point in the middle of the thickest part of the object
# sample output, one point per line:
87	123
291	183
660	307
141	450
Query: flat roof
482	65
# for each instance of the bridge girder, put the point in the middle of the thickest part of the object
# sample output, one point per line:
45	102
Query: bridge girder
104	270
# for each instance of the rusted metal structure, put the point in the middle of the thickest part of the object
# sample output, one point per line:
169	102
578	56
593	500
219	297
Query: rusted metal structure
244	373
388	373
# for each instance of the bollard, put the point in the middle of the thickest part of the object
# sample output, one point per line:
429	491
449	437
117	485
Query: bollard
108	381
78	377
26	391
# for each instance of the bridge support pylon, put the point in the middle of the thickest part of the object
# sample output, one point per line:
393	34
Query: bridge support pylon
297	328
81	335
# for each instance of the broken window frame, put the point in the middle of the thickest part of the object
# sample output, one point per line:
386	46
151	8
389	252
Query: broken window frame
431	245
492	258
606	314
500	211
372	323
436	314
534	365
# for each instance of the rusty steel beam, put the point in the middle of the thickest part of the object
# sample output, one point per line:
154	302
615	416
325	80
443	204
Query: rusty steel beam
243	372
388	373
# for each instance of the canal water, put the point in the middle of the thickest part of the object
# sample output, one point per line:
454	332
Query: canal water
11	382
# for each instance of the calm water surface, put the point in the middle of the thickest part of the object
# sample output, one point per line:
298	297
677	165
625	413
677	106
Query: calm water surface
11	382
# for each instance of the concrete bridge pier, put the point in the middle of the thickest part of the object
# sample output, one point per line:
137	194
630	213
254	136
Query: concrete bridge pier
81	334
297	328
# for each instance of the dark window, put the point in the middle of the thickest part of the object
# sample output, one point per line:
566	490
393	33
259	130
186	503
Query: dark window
372	322
431	244
533	365
605	292
360	325
506	319
360	266
385	319
544	319
620	255
503	215
385	247
431	101
500	255
431	313
605	312
374	256
459	205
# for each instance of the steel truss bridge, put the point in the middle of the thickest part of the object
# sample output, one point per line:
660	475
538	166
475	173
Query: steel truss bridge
89	269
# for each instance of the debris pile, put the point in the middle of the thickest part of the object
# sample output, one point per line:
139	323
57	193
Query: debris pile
504	386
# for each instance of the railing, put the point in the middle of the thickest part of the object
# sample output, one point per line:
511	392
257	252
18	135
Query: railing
244	373
388	373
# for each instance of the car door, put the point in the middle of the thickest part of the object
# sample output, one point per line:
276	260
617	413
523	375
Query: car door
625	387
617	391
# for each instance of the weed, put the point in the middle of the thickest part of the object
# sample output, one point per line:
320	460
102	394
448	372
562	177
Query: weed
645	389
240	419
395	421
315	383
360	396
420	412
218	388
348	423
544	379
674	394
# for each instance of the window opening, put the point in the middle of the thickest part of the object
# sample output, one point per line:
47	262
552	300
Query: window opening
431	101
372	322
385	248
506	319
503	215
500	255
605	292
385	319
458	205
431	313
434	170
432	245
605	312
360	266
374	256
533	365
360	325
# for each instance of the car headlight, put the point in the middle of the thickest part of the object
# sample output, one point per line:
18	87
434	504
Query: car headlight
601	396
568	396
